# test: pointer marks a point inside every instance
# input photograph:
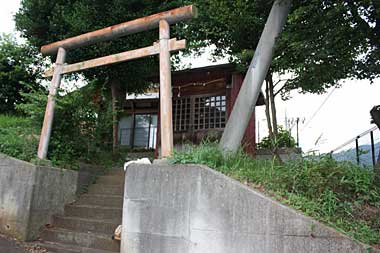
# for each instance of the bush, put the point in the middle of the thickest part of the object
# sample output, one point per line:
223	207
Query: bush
17	137
81	126
284	140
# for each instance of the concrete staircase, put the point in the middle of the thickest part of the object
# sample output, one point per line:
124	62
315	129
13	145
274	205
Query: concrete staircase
87	225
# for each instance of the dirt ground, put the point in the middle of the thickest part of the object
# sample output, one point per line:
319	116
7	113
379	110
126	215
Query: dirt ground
11	245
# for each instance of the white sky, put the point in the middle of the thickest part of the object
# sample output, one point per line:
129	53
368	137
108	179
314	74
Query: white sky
7	10
343	116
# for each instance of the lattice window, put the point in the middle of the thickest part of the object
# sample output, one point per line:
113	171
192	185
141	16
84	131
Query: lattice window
209	112
181	114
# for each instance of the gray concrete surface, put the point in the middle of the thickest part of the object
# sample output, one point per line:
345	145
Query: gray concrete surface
30	195
87	174
194	209
10	246
286	154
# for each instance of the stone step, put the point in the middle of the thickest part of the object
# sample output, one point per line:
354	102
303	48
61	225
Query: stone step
57	247
101	200
93	212
116	172
66	248
110	180
106	189
81	239
87	225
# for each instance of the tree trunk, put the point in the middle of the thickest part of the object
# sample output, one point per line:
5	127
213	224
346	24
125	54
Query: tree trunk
115	92
273	106
267	110
270	111
270	108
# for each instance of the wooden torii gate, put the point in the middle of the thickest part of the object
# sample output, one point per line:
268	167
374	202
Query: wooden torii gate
161	20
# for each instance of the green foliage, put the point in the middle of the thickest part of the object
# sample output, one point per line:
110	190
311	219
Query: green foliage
17	137
19	70
322	43
81	125
46	21
284	140
338	193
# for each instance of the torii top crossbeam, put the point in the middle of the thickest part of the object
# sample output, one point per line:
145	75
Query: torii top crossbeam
116	31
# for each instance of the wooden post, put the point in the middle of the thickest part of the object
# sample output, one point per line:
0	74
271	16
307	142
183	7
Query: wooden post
165	91
49	112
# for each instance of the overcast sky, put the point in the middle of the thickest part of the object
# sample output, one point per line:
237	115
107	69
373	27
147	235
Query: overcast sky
344	114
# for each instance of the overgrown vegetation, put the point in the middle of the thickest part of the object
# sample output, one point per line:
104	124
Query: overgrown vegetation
20	67
284	140
17	137
340	194
82	128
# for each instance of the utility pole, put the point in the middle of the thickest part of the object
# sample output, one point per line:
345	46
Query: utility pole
257	71
258	131
295	121
298	137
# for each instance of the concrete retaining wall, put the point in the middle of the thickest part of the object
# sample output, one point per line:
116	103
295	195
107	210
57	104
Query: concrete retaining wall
30	195
171	209
286	154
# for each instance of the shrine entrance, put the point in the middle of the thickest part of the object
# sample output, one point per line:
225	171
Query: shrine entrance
163	48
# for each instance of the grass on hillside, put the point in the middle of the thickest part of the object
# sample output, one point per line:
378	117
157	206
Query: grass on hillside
18	138
339	194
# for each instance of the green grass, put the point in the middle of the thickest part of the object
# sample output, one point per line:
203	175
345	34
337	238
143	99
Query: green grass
18	137
339	194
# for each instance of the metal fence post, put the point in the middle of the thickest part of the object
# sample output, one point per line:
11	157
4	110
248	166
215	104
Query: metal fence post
165	91
357	151
49	112
373	150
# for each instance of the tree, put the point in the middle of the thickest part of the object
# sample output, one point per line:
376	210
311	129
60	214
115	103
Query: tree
19	72
322	43
46	21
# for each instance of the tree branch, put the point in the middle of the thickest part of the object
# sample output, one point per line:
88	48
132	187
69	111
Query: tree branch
277	92
274	85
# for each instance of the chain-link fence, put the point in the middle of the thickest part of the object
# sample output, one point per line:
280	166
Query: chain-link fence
362	150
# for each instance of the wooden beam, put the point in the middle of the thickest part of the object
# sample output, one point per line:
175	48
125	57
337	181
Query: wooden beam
165	91
49	112
117	31
120	57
